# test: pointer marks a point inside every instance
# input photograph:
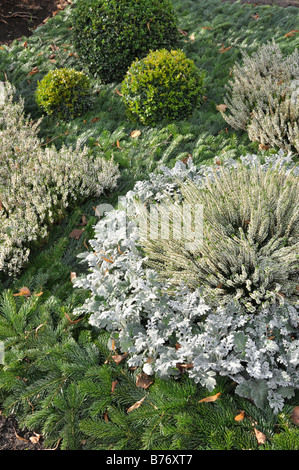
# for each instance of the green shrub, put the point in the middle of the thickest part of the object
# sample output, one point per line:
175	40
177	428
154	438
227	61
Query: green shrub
163	85
64	92
110	34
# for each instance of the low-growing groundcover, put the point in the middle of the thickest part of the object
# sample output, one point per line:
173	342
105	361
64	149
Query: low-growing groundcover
64	379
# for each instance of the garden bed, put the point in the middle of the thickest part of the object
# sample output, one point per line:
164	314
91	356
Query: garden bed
18	20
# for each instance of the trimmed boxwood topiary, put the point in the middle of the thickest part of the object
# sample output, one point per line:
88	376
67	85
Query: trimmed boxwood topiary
163	85
110	34
64	92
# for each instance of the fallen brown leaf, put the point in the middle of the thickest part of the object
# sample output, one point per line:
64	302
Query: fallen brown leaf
291	33
71	322
119	358
113	385
76	233
83	221
35	439
19	437
260	437
135	133
24	291
240	416
136	405
221	107
224	49
184	33
211	398
264	147
143	380
183	367
33	71
295	415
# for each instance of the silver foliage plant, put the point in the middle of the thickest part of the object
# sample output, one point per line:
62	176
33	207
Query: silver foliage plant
263	97
168	330
249	248
37	184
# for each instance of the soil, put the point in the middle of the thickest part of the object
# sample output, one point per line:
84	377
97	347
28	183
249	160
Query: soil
19	18
11	438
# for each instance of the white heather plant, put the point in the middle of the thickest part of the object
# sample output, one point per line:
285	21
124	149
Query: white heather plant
258	349
278	124
249	247
262	97
37	184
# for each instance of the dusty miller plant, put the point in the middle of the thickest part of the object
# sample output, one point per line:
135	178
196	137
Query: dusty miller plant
262	97
166	331
37	184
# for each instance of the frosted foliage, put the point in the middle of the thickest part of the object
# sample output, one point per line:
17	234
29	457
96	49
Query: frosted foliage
250	246
262	96
37	184
166	331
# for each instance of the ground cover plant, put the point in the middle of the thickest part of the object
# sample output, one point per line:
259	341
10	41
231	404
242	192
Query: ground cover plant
65	377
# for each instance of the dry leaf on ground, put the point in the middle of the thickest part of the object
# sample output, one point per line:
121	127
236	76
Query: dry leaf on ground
211	398
76	233
24	291
240	416
260	437
143	380
221	107
295	415
119	358
136	405
135	133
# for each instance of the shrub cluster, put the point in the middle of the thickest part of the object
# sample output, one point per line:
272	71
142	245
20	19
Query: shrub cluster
37	184
64	92
110	34
167	328
163	85
262	97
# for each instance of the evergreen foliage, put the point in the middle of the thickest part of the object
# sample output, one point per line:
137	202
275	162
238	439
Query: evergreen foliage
64	92
247	331
110	34
44	349
163	85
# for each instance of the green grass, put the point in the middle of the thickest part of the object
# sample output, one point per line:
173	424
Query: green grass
42	358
